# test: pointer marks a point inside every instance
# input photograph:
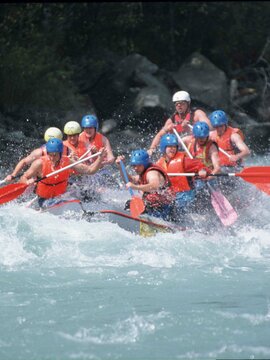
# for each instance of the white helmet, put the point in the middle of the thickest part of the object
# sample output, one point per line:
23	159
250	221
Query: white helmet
53	132
181	96
72	128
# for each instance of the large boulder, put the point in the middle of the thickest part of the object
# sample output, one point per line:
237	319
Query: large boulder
204	81
130	66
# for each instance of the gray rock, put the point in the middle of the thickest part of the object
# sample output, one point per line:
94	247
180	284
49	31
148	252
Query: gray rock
108	126
130	66
151	97
204	81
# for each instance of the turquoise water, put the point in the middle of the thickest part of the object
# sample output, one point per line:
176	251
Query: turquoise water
78	290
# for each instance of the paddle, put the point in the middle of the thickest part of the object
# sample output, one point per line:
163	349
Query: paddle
256	175
221	205
12	191
136	204
13	178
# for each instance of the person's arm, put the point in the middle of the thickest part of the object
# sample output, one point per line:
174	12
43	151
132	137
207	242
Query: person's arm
93	168
133	178
187	139
26	161
110	157
239	143
155	181
35	170
195	165
213	153
200	115
156	140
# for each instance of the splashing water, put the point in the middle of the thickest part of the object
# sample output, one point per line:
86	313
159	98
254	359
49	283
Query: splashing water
77	290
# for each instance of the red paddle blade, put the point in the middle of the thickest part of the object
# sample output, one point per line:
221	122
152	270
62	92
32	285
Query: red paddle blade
136	206
256	174
263	187
11	192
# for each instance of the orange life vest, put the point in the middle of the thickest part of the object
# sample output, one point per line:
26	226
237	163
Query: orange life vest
54	185
201	152
160	197
97	141
79	150
225	143
176	165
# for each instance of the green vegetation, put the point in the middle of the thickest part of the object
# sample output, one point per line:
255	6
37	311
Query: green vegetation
43	45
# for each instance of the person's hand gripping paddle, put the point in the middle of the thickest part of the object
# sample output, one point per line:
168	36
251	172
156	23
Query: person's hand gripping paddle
136	204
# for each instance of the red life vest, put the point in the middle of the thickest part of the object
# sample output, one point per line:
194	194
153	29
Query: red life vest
176	165
225	143
54	185
201	152
160	197
97	141
178	120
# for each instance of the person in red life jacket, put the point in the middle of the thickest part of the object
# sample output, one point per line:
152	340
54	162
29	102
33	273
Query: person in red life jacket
229	139
153	182
56	185
181	118
92	137
50	133
175	161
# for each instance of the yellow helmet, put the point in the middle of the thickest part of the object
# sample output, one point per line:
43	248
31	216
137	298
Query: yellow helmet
53	132
72	128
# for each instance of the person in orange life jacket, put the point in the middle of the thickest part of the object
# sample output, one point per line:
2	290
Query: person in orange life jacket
73	147
232	141
50	133
92	137
181	118
201	147
174	161
153	182
56	185
229	139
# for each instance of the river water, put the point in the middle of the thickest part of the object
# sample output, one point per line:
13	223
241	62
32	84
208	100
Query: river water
78	290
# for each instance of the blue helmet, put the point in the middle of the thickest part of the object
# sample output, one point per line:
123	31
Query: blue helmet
90	121
200	130
218	118
140	157
54	145
168	140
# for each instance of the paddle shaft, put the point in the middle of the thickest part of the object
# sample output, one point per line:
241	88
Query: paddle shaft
195	174
13	178
182	143
87	152
124	171
68	166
